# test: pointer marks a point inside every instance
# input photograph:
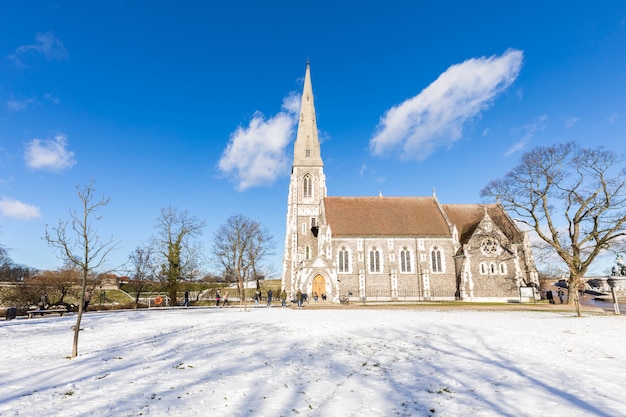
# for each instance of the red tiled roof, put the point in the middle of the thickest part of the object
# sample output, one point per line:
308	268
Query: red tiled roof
385	216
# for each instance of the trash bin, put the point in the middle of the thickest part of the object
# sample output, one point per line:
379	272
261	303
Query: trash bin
11	313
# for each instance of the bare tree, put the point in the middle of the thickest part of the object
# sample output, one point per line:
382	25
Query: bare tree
240	246
174	229
573	198
78	244
144	270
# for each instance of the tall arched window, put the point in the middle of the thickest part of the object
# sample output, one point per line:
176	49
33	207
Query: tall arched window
374	260
308	186
405	260
343	260
307	253
436	259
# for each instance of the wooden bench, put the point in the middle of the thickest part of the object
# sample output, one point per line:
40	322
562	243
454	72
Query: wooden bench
33	313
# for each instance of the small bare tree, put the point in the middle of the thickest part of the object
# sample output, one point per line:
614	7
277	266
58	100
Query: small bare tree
78	244
174	229
240	246
574	199
144	270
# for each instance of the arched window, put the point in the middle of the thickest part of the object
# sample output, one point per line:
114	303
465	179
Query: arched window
503	268
374	260
483	268
308	186
307	253
343	260
435	255
405	260
492	268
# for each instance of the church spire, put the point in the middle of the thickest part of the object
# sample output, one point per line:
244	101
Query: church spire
307	146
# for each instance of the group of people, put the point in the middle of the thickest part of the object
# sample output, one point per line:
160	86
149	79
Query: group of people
301	298
550	297
218	298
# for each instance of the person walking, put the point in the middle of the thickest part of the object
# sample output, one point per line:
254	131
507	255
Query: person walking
560	293
299	298
257	296
225	302
549	296
217	298
269	298
283	298
186	302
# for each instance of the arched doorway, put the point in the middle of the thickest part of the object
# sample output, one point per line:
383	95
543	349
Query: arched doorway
319	286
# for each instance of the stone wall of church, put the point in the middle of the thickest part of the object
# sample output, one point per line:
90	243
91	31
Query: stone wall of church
395	278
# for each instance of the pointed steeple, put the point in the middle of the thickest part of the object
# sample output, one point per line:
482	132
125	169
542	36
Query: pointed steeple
307	146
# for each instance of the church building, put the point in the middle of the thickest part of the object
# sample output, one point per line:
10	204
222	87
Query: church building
393	248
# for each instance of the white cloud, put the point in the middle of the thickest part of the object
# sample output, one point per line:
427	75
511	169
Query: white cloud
49	154
528	132
18	210
435	117
47	45
256	155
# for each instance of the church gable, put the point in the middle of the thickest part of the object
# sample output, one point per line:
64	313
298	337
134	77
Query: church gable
467	217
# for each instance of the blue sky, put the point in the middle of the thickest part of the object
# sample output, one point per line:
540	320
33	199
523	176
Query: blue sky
192	106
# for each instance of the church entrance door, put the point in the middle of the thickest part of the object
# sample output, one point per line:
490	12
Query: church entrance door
319	286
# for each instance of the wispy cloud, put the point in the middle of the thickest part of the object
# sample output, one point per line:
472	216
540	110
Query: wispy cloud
435	117
256	154
528	132
49	154
18	210
18	105
46	45
571	122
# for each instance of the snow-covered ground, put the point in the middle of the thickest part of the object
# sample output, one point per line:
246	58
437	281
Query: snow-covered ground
283	362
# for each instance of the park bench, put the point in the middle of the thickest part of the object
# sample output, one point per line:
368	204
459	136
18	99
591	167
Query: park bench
59	311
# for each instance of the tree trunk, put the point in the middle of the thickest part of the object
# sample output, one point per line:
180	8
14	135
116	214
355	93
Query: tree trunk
172	291
79	317
572	293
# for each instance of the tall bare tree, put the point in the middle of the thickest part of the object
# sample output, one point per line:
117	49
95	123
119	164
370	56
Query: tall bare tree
78	244
240	246
574	199
174	230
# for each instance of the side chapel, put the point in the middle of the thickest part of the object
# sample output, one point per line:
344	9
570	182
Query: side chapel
394	248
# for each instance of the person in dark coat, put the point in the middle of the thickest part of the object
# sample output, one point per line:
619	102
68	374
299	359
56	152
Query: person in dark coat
269	298
87	298
43	302
549	296
560	293
218	297
186	302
